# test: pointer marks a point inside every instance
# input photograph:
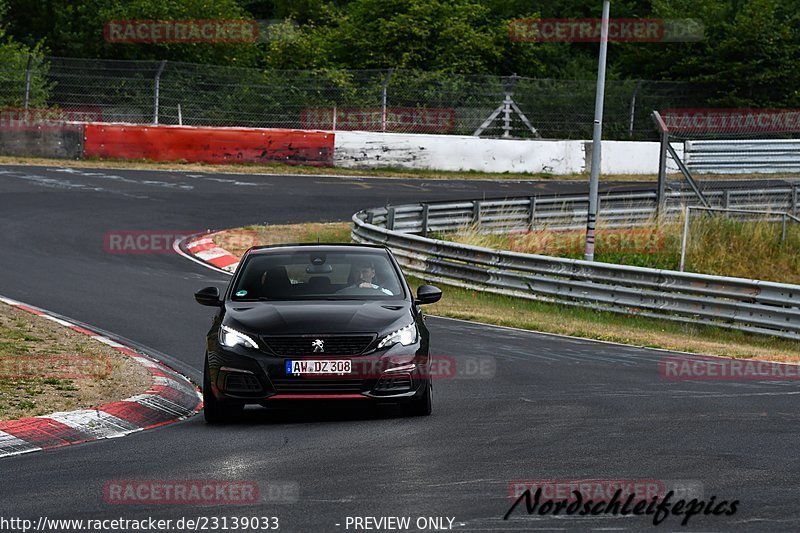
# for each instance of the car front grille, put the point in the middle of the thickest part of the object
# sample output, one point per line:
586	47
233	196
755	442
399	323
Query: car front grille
317	385
300	345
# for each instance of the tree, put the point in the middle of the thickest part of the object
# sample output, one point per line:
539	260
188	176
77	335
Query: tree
747	58
445	35
14	57
74	28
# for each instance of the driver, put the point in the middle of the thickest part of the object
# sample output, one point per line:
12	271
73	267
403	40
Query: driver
366	273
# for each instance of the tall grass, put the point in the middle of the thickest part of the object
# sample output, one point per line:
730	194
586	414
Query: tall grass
716	245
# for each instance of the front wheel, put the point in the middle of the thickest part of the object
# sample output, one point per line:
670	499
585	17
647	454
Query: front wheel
214	410
422	406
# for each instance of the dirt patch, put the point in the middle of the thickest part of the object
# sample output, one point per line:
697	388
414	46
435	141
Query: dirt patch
238	240
46	368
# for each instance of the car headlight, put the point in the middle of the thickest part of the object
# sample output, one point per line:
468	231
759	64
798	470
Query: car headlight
230	337
405	336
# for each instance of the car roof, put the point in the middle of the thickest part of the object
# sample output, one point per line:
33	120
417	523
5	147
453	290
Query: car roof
305	247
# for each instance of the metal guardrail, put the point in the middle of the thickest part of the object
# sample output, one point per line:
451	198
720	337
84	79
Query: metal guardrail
569	212
748	305
743	156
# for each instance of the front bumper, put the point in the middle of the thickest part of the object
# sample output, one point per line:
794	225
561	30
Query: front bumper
395	374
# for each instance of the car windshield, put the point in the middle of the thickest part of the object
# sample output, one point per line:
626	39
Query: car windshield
313	275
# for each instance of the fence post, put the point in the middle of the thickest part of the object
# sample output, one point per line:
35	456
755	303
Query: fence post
532	213
384	98
783	228
633	108
390	218
794	200
424	231
726	202
684	237
28	82
156	90
476	212
662	163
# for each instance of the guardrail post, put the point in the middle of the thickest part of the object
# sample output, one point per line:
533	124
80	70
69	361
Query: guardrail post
532	212
424	231
370	217
390	218
476	212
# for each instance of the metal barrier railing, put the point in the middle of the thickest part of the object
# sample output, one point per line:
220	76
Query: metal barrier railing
743	156
749	305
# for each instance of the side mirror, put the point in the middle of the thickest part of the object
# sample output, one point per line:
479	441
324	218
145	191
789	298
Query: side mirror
428	294
208	296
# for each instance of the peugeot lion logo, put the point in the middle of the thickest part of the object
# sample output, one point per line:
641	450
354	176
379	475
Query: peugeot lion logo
318	345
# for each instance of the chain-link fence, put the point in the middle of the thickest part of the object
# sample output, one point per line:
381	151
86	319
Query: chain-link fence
372	100
746	149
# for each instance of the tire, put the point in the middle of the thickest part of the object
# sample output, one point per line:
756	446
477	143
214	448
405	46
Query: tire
422	406
214	410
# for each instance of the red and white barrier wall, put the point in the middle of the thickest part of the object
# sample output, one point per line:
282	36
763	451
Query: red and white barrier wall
358	149
347	149
208	145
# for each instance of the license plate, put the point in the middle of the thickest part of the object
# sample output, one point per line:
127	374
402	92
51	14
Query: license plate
318	366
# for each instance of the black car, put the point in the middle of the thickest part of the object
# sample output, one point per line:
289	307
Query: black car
317	322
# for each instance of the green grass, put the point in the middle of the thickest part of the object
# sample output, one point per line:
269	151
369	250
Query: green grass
716	245
388	172
45	367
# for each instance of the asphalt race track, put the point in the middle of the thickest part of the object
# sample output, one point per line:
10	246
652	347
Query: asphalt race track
555	408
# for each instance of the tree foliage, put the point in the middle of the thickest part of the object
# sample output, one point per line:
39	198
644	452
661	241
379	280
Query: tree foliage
748	56
74	28
14	58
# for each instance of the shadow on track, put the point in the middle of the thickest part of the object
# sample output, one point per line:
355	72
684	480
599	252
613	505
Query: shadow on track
307	412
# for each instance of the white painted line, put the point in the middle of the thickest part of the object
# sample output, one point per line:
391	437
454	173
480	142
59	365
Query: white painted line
177	249
98	424
213	253
11	445
232	267
144	361
106	340
198	242
168	382
58	320
159	403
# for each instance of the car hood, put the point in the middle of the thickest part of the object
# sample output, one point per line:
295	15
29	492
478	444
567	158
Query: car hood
314	317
